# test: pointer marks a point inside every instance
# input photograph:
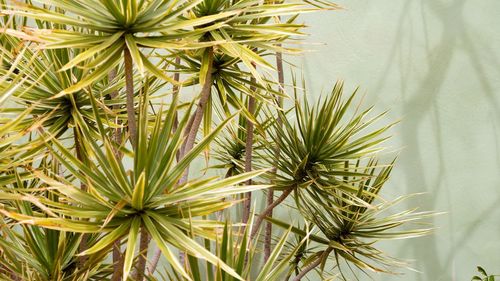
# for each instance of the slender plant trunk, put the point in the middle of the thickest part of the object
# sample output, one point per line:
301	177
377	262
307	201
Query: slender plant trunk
270	194
198	115
190	132
117	133
117	261
268	210
80	156
269	226
196	122
175	93
248	158
247	204
132	127
129	85
117	138
187	130
312	265
175	90
143	255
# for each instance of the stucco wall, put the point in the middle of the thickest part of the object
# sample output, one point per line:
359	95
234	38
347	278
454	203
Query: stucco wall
436	65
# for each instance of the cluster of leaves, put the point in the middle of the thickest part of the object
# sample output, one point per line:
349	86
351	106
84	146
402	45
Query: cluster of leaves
328	162
86	191
483	275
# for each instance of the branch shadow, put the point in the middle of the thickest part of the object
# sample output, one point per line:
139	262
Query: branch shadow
423	103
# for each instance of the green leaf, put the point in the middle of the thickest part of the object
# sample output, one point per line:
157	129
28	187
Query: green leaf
191	245
175	174
108	240
131	243
135	52
162	244
138	195
93	77
94	50
298	231
156	71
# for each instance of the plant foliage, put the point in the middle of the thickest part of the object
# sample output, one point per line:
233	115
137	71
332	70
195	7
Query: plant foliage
105	110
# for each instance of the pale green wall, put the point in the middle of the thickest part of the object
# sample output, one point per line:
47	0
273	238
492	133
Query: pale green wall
436	64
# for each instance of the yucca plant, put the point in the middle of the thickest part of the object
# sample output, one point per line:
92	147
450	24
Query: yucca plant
106	108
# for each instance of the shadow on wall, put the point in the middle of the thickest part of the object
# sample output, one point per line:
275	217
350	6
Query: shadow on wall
423	103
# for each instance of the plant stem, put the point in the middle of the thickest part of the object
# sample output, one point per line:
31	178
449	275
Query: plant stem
117	261
116	137
129	85
312	265
270	194
249	149
154	261
175	90
143	255
267	211
117	133
269	227
198	116
248	158
132	127
79	155
196	122
190	131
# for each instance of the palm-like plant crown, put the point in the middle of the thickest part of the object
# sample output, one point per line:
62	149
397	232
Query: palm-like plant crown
321	148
